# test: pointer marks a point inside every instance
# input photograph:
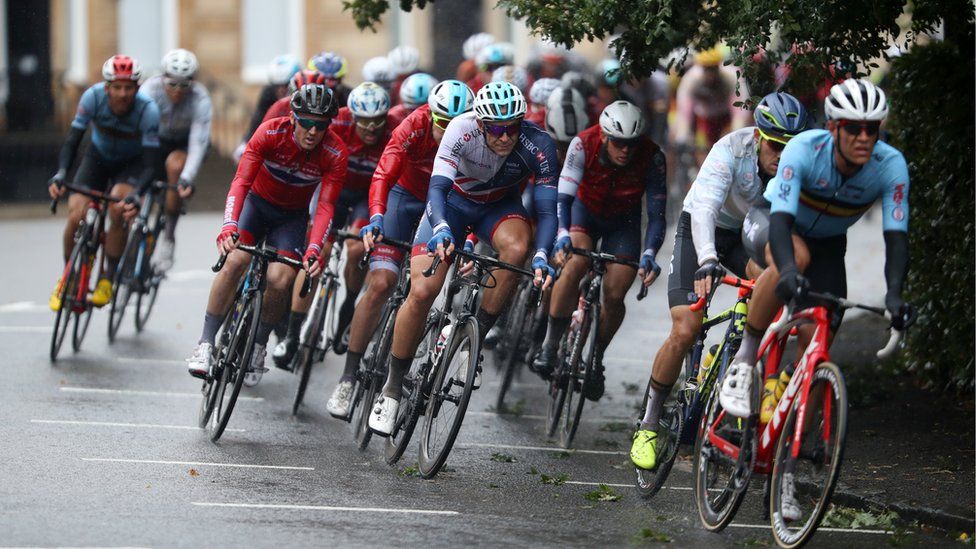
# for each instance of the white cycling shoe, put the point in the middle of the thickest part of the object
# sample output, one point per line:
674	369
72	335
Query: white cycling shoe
383	415
162	260
789	506
253	376
338	404
200	361
736	394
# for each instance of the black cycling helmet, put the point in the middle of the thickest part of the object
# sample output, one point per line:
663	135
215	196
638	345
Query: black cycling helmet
315	99
780	116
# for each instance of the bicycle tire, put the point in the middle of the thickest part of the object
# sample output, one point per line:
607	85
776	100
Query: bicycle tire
430	462
122	278
305	357
373	378
210	386
584	341
558	387
83	317
67	294
238	359
151	280
518	326
414	397
789	538
650	481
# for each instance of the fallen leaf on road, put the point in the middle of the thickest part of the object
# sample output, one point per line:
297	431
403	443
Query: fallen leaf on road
194	473
603	493
502	458
555	481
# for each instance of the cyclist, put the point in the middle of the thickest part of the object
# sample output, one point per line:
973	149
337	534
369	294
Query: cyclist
488	59
730	182
379	71
334	67
468	68
364	126
405	60
566	117
479	164
413	93
280	71
285	163
184	135
124	151
538	96
516	76
396	202
282	107
608	168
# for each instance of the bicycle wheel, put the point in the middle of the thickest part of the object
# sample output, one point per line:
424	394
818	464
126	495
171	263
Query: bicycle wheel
650	481
210	388
122	281
235	362
413	396
83	317
558	388
307	349
449	397
374	374
150	279
580	367
507	353
814	470
67	294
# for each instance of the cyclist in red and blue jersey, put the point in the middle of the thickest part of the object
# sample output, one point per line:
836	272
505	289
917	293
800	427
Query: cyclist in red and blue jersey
286	162
123	156
477	170
364	126
396	203
608	169
280	71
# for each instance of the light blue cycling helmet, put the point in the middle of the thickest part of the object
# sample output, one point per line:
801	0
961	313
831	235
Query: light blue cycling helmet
610	71
282	68
450	98
368	100
416	88
499	102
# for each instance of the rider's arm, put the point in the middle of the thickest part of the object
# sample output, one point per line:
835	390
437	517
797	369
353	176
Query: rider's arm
545	197
149	127
86	109
569	181
247	170
656	196
706	196
445	169
783	194
894	204
387	172
334	175
199	136
781	240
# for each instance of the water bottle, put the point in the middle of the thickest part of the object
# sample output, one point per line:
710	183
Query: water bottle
442	341
706	362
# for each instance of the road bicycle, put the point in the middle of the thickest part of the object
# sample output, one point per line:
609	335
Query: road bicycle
517	344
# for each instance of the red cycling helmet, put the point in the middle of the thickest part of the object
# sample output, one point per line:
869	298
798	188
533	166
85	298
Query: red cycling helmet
121	67
305	77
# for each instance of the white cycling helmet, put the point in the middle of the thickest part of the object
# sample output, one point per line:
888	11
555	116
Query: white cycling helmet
517	76
499	53
856	99
282	68
405	59
566	114
379	70
180	63
622	119
475	43
542	89
368	100
416	88
450	98
499	102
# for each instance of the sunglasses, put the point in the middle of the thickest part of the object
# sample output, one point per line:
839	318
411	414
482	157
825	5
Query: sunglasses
371	124
625	143
177	84
309	123
497	131
440	121
854	128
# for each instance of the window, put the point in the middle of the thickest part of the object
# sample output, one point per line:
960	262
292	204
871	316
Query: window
268	31
147	30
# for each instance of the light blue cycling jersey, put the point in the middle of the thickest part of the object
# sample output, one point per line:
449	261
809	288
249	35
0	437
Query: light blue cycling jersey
809	187
118	138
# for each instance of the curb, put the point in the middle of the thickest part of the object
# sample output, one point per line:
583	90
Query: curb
926	515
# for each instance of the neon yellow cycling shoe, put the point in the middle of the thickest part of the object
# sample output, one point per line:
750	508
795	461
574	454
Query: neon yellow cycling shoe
772	391
55	301
102	294
644	450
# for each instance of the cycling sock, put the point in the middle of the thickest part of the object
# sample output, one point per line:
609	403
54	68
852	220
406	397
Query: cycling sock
211	324
111	263
346	310
352	364
281	328
263	333
485	321
170	230
557	327
657	394
540	329
295	324
394	381
751	338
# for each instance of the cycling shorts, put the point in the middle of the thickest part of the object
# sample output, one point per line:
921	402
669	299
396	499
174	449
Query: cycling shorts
96	172
462	214
827	272
281	229
620	235
403	211
684	260
167	146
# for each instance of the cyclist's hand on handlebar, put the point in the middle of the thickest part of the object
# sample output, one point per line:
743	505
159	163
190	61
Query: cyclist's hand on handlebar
312	262
902	314
562	249
467	267
184	188
373	232
648	269
441	244
706	276
55	186
544	273
791	285
130	206
226	240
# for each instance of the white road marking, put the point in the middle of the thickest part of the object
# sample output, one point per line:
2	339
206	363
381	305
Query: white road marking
326	508
145	393
23	307
537	448
197	274
530	416
821	529
25	329
118	424
201	464
683	488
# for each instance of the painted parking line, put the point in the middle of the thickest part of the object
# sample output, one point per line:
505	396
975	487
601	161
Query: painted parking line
97	390
537	448
822	529
200	464
326	508
119	424
25	329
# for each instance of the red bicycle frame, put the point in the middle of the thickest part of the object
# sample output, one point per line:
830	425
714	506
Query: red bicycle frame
84	277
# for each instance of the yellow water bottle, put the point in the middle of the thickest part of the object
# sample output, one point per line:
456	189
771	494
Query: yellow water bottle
706	362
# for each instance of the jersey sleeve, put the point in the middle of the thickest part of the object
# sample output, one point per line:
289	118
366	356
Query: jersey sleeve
707	195
445	169
86	109
388	170
199	136
894	201
544	193
247	171
569	180
656	196
149	125
334	175
783	192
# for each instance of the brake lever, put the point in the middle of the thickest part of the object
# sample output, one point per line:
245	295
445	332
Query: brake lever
223	257
307	283
433	266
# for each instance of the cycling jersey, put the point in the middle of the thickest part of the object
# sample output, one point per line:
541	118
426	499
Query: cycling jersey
694	101
187	121
398	113
609	191
407	161
362	158
279	108
268	96
727	186
118	138
537	115
466	166
278	170
825	203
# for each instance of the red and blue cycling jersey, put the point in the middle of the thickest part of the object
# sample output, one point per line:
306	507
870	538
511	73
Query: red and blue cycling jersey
363	158
407	161
277	169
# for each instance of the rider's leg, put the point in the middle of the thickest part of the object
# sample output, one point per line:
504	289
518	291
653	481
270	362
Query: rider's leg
222	292
565	292
380	283
616	282
685	325
115	235
353	276
77	205
280	280
174	167
512	240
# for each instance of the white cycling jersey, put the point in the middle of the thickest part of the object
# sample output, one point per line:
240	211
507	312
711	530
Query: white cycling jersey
727	186
189	120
